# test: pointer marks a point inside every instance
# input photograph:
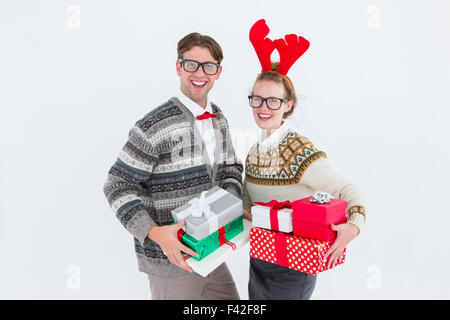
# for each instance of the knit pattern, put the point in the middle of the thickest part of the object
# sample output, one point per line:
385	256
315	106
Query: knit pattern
161	166
283	164
359	210
297	169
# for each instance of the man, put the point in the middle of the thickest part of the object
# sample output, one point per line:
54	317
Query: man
173	153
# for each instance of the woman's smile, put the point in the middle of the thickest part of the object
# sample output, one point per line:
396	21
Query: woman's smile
264	116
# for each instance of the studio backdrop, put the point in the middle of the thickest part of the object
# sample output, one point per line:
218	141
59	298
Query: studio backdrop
76	75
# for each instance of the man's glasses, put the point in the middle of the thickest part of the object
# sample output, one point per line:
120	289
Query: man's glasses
271	102
209	68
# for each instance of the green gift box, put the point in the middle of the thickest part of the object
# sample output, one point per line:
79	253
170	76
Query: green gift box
212	242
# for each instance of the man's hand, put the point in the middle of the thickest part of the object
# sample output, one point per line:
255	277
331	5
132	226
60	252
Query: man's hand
247	215
166	237
346	232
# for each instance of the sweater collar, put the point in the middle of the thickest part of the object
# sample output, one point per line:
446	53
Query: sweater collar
275	137
193	107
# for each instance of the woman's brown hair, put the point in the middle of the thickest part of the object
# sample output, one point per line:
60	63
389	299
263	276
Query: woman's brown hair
289	91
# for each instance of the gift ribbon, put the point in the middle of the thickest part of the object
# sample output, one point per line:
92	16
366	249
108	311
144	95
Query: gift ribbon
222	238
320	197
200	207
180	234
281	249
275	206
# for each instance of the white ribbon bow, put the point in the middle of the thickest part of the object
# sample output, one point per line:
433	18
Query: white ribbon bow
200	207
320	197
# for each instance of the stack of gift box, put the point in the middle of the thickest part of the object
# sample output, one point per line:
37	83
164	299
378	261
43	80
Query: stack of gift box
296	235
213	221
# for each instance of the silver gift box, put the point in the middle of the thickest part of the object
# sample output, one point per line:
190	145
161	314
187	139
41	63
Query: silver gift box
222	207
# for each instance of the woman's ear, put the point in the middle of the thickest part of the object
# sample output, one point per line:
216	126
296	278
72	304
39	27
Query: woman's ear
290	105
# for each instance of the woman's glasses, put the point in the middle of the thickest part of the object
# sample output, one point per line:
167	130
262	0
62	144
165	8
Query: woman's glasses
271	102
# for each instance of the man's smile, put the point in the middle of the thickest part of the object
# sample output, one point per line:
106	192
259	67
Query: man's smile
199	83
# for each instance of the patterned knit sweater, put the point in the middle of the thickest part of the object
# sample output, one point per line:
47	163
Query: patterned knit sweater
291	168
163	165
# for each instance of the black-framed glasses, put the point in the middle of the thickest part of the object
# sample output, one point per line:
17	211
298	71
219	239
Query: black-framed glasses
271	102
209	68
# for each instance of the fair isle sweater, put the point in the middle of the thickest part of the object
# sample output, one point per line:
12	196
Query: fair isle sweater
290	167
164	164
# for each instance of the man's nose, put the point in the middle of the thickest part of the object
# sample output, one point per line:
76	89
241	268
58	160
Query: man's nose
200	71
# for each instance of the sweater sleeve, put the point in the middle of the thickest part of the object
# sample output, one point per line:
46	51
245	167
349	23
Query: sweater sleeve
124	186
320	176
232	178
232	168
246	200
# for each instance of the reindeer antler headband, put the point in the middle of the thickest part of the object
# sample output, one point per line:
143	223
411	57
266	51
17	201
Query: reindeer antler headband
290	48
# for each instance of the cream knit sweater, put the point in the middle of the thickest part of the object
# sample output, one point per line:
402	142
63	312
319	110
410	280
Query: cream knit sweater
287	166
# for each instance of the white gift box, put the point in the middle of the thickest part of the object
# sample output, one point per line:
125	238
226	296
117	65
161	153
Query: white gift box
261	218
206	214
220	255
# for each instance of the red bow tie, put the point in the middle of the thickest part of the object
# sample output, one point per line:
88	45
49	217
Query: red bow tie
206	115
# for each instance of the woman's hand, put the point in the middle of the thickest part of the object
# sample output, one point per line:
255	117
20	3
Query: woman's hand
346	232
247	215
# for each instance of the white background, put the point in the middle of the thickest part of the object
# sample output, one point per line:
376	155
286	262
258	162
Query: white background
76	75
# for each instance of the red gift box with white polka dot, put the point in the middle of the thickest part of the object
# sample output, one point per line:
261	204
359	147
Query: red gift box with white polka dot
288	250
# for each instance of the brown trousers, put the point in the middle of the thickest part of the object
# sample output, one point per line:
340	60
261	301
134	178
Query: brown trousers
218	285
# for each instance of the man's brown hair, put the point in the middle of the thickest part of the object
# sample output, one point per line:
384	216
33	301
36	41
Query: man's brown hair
196	39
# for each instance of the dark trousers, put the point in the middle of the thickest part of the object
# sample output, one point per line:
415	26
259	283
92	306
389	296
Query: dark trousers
269	281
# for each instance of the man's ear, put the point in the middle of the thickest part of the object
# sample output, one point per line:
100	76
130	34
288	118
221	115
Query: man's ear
178	67
217	75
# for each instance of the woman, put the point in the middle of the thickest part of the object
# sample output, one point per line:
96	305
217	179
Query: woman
284	165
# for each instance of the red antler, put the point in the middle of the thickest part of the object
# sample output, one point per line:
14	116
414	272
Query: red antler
290	52
263	46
